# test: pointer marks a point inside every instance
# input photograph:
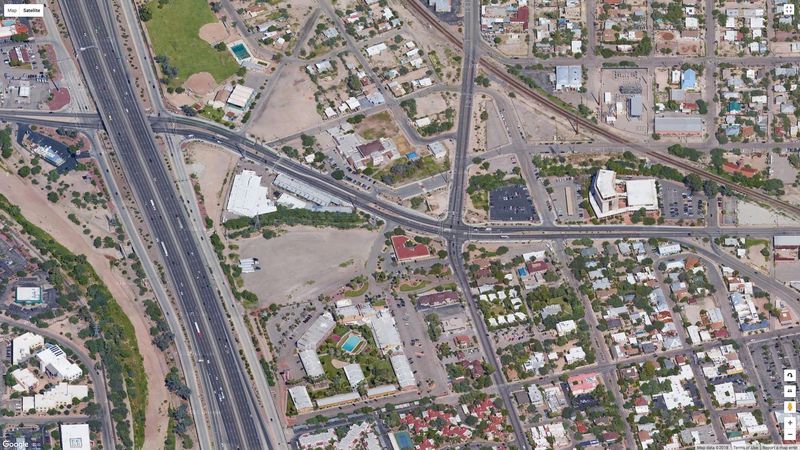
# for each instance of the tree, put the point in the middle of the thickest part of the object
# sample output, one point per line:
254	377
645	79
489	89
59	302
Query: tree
702	108
24	171
52	196
710	188
144	13
694	182
338	174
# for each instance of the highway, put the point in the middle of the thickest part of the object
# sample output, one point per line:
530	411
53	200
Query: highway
225	382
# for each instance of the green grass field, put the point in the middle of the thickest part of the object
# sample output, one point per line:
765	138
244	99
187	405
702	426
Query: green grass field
174	33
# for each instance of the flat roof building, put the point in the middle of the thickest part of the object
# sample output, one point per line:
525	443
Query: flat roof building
384	330
248	197
786	242
59	395
679	126
311	363
22	346
25	379
609	196
28	295
403	372
568	77
240	97
301	399
354	374
336	400
54	362
381	391
307	192
75	436
319	330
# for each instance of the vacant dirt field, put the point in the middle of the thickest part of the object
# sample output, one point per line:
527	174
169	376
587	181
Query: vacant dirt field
383	125
212	165
291	108
305	262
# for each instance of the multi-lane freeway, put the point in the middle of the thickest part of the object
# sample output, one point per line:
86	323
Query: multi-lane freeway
221	370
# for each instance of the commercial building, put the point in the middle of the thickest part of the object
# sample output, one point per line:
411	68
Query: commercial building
301	399
786	247
248	197
22	346
406	250
25	379
669	249
75	436
679	126
438	150
59	395
584	383
437	299
568	78
307	192
240	98
28	296
54	362
609	196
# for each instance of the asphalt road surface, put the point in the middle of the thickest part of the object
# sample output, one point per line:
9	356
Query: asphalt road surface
225	384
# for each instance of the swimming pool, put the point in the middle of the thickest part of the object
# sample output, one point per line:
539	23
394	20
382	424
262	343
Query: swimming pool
403	439
240	51
351	343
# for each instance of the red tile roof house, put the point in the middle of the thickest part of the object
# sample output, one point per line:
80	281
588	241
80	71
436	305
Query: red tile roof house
583	384
744	170
437	299
408	252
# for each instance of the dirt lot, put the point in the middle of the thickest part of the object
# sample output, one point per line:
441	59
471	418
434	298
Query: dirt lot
540	128
383	125
344	253
212	165
291	109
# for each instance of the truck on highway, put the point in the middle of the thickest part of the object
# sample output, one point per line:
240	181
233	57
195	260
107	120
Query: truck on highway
197	327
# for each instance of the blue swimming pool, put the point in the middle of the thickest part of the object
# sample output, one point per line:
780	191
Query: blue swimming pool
403	440
351	343
240	51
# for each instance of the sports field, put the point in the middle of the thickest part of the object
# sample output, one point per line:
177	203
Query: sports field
174	32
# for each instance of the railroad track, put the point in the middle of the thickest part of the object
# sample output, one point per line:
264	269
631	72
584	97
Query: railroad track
501	73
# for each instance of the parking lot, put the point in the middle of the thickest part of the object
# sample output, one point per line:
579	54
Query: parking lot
511	204
562	189
771	358
679	203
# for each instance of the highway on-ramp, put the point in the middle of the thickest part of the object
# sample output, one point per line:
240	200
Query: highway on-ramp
223	376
